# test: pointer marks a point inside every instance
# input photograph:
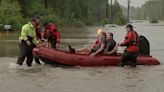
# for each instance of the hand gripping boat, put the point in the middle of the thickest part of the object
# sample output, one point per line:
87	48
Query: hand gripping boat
52	56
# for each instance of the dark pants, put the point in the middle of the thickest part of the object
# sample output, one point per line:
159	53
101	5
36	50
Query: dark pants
52	42
25	51
127	56
37	60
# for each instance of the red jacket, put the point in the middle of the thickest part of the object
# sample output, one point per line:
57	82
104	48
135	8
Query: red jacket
131	42
37	30
96	42
52	32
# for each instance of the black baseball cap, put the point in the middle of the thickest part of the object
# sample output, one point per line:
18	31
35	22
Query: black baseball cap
45	23
129	26
37	17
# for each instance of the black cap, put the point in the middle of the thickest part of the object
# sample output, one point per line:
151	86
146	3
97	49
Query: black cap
129	26
37	17
46	23
111	34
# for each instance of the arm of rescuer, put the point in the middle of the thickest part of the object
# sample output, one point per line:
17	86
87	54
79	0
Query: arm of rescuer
35	41
57	33
127	39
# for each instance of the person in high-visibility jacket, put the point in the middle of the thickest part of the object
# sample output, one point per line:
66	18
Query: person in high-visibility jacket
131	42
27	41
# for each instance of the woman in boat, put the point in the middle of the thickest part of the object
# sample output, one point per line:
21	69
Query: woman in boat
111	47
99	33
97	49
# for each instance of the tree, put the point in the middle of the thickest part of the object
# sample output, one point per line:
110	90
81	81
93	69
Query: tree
152	9
10	13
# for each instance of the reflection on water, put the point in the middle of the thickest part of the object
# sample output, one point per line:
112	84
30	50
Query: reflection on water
46	78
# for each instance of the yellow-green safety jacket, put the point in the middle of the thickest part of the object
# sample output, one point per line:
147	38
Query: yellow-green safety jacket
28	30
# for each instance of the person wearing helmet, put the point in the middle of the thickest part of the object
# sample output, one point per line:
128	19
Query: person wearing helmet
131	42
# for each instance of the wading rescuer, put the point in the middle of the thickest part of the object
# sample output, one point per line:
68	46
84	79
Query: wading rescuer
52	34
131	42
38	33
27	41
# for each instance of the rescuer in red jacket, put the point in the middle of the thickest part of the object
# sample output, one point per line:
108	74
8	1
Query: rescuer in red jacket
131	42
52	34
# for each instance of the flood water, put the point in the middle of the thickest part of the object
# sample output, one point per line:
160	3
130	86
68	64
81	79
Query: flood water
47	78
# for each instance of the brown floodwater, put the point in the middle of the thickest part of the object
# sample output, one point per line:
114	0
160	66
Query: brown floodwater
46	78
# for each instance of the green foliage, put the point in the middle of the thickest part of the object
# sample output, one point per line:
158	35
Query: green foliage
152	9
76	13
10	14
119	20
117	15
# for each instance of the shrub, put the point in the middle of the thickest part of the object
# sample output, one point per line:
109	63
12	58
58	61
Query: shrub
10	14
154	21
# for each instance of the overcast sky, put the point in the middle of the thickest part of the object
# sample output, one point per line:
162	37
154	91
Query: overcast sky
134	3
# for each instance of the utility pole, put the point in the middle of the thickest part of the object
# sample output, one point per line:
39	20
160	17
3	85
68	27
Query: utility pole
111	11
107	11
46	4
128	15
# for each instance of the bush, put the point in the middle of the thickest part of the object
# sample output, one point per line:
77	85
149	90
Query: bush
10	14
119	21
77	24
62	22
154	21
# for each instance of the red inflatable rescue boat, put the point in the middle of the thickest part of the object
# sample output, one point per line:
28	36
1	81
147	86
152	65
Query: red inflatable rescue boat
52	56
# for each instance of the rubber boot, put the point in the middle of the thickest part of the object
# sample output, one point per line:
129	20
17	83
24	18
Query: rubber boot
121	64
133	64
72	50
